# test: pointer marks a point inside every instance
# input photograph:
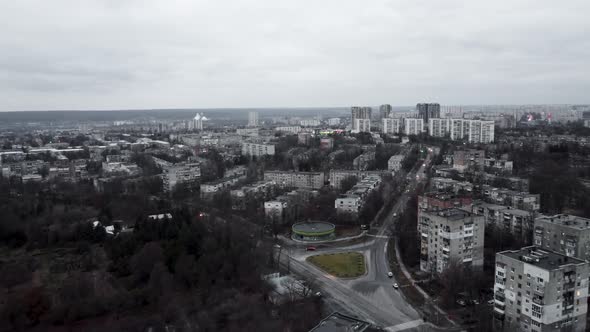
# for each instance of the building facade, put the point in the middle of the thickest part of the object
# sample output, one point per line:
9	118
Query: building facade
364	115
392	126
252	119
428	111
257	149
566	234
450	237
540	290
413	126
305	180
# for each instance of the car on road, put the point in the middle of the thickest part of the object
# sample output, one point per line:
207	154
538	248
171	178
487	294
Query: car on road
311	248
423	165
474	302
395	286
277	246
461	302
390	274
395	214
491	302
318	294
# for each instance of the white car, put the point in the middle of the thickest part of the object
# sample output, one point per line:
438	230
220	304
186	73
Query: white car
395	286
390	274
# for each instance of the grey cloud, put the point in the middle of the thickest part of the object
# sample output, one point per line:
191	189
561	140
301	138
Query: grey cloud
180	53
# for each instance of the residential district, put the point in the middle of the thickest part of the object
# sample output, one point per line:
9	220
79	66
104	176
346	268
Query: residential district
361	219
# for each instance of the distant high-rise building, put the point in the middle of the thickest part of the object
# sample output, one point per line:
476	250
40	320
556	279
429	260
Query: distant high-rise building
385	111
361	113
392	125
252	119
474	131
197	122
413	126
428	111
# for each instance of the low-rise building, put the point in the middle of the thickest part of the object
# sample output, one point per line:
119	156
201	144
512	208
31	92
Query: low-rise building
306	180
566	234
364	161
210	189
450	237
516	199
351	203
337	176
182	173
540	290
445	185
258	149
394	163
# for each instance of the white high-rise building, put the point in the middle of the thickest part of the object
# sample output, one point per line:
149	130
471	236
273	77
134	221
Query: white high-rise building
392	125
361	113
413	126
197	122
252	119
361	125
474	131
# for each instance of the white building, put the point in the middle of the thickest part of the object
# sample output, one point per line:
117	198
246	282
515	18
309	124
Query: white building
310	123
392	125
540	290
474	131
180	173
413	126
361	125
252	119
289	129
333	121
394	163
257	149
197	122
307	180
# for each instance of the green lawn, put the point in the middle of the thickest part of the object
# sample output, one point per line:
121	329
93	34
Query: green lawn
342	265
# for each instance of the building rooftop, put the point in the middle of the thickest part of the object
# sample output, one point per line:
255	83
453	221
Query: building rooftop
452	214
338	322
542	258
575	222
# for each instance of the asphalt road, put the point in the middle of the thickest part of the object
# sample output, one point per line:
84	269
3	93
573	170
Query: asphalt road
371	297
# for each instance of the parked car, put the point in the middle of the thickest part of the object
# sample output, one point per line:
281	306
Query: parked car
311	248
461	302
390	274
474	302
491	302
395	286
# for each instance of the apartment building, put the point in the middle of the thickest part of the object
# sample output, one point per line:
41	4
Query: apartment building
364	161
337	176
435	201
566	234
473	131
361	125
392	126
210	189
306	180
540	290
451	236
187	173
413	126
352	202
516	199
258	190
258	149
394	163
361	119
468	159
445	184
518	222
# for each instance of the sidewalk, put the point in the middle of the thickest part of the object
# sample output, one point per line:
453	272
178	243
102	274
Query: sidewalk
417	287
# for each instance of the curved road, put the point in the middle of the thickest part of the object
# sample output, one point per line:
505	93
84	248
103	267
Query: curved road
370	297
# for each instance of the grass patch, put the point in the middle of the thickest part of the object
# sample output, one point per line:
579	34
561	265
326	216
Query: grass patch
341	265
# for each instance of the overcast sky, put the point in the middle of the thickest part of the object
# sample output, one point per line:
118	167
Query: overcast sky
115	54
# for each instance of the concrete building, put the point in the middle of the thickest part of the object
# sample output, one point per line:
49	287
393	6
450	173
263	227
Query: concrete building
394	163
304	138
364	115
337	176
363	161
540	290
451	236
566	234
428	111
498	165
257	149
445	185
392	126
468	159
385	111
289	129
516	199
352	202
518	222
413	126
310	123
187	173
333	121
361	126
473	131
305	180
252	119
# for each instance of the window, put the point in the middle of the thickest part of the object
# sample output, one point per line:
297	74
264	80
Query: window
528	284
520	277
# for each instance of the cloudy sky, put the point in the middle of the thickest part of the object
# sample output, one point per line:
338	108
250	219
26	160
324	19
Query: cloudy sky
114	54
